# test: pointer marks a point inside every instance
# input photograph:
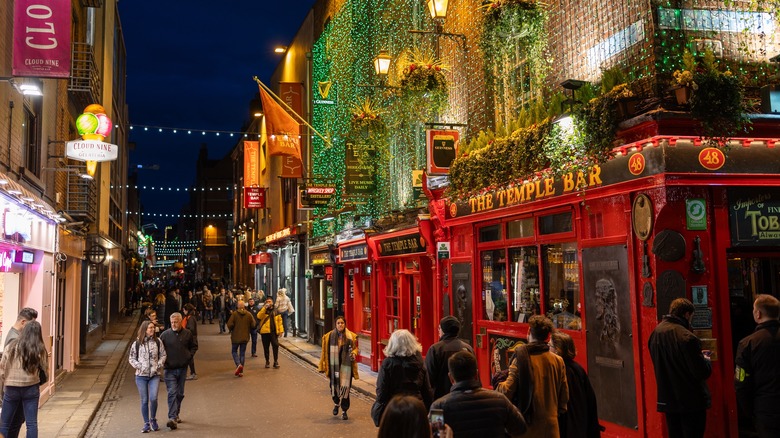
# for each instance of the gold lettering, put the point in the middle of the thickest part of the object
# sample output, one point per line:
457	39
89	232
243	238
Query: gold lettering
580	180
538	188
529	190
568	182
595	176
549	187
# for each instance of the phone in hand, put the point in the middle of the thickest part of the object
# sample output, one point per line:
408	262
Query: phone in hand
436	417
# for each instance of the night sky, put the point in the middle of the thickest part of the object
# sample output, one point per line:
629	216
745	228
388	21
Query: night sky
190	66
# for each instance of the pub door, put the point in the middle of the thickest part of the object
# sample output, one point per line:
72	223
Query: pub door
413	288
750	274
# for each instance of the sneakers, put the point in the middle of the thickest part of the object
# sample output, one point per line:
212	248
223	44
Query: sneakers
172	424
254	355
268	364
276	364
239	370
336	410
344	415
146	428
178	420
192	377
155	426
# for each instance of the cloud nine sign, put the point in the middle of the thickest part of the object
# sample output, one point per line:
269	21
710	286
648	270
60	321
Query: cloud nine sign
91	150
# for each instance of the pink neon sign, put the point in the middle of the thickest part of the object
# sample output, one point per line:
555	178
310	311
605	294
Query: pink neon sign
6	260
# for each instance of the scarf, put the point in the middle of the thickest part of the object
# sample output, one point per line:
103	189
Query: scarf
340	363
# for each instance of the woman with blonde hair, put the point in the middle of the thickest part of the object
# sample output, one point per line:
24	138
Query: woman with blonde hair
285	308
20	373
402	372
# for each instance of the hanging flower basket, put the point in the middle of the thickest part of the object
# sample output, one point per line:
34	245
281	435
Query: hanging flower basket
367	121
423	86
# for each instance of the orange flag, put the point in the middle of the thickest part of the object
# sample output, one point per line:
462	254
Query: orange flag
283	131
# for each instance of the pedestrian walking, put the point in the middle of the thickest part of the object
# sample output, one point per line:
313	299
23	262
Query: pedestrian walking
253	307
221	307
681	372
22	369
25	315
190	322
757	376
402	372
147	357
339	351
285	308
180	346
208	306
581	419
270	329
440	352
539	379
240	324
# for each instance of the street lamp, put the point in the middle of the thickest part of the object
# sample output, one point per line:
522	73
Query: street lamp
382	63
438	8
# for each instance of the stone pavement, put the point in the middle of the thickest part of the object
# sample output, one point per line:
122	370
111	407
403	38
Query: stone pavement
79	394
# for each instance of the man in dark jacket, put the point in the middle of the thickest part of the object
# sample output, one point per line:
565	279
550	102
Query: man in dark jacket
681	371
240	324
440	353
180	346
472	411
757	377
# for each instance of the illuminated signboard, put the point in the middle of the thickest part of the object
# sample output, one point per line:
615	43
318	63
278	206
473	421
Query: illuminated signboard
6	260
24	257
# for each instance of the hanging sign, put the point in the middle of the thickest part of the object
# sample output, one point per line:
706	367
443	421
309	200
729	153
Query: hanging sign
41	41
359	164
317	196
254	197
251	163
442	146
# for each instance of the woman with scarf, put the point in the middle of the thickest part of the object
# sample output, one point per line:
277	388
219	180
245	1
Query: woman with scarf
339	350
147	357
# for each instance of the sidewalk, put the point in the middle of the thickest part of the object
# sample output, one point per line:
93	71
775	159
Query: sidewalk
79	394
311	353
68	413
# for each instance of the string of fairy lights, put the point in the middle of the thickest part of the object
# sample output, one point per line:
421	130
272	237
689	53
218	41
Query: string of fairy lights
175	215
175	189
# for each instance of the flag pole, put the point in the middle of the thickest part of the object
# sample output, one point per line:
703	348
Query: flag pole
287	107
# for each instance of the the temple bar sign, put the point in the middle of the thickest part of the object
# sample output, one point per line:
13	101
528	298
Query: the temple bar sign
408	244
754	213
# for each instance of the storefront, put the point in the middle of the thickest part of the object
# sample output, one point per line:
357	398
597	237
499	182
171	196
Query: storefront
404	284
323	302
283	266
358	297
604	250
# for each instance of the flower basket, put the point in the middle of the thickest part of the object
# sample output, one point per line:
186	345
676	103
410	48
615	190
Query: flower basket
423	87
683	95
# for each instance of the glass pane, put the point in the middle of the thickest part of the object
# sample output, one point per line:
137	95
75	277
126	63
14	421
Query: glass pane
555	223
494	294
520	228
490	234
524	283
562	285
366	291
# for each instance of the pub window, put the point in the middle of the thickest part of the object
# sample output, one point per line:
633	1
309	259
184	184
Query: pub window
490	233
494	294
365	291
520	228
524	283
562	285
32	144
393	297
555	223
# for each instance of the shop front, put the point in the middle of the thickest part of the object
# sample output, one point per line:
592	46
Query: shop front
283	266
404	284
603	251
322	304
358	297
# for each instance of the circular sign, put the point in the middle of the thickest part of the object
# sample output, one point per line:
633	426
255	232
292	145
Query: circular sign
142	251
453	209
696	209
636	164
669	246
96	254
642	216
712	158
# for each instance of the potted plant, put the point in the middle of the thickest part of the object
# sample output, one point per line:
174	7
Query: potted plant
682	80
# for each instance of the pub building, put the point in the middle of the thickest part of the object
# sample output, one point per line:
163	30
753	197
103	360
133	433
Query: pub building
603	252
321	290
353	262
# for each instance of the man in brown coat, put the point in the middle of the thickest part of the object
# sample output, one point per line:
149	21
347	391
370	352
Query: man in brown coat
240	324
540	376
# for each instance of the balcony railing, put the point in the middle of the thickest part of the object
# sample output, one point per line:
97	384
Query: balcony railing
81	198
84	86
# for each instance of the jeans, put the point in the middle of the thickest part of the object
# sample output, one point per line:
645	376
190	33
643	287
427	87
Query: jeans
147	389
253	334
222	321
24	398
174	381
270	339
207	315
286	322
239	352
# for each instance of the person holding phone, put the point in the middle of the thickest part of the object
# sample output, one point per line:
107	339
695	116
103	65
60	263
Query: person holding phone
471	410
270	328
339	351
405	416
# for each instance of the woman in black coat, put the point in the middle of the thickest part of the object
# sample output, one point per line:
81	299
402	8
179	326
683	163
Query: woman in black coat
402	372
581	419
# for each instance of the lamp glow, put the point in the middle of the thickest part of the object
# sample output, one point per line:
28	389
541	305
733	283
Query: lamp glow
438	8
382	63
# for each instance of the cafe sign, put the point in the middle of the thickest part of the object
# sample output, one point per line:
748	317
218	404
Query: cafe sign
754	214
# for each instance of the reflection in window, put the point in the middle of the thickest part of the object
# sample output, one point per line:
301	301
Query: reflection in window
494	294
562	285
524	283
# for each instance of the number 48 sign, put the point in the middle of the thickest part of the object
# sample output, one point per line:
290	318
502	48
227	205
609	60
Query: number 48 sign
712	158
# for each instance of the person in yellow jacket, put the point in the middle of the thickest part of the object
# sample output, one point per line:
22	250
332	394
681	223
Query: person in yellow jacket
270	328
339	350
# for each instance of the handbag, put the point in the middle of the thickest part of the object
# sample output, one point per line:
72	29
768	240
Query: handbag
42	375
376	412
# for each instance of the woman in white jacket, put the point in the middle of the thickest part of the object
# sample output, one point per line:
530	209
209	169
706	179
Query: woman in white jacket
285	308
147	356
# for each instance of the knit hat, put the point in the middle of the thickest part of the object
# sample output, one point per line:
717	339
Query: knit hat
450	325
